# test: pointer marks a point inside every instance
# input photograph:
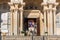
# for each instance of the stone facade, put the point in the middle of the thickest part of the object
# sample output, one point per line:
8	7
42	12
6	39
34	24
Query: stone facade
42	13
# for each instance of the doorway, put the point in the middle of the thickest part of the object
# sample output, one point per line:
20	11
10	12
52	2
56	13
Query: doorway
34	22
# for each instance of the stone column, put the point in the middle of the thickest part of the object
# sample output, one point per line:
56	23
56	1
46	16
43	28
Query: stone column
51	20
54	21
11	18
54	17
45	23
21	19
44	17
48	23
16	19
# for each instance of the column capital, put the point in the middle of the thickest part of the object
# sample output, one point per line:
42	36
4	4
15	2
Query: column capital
11	4
44	4
21	8
56	3
16	6
46	9
54	9
50	8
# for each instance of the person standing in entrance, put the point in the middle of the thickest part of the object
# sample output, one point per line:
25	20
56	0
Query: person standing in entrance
31	27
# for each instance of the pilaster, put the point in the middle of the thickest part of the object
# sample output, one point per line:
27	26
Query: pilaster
16	19
45	18
50	20
21	18
50	28
54	19
11	18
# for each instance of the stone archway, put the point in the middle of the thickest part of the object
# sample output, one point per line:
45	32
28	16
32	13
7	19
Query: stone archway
34	16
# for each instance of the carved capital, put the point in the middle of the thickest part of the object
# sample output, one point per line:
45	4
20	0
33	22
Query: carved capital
44	4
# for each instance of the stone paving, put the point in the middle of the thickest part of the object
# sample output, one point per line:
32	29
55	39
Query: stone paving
31	38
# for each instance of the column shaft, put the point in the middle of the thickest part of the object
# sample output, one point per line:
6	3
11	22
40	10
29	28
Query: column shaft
54	22
51	23
51	20
11	19
48	23
54	17
11	29
15	22
21	20
45	26
16	19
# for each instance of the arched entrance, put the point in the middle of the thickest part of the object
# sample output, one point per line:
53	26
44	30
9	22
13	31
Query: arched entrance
32	21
